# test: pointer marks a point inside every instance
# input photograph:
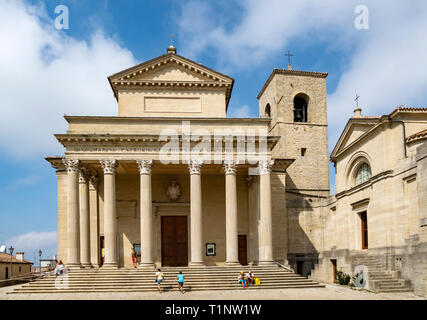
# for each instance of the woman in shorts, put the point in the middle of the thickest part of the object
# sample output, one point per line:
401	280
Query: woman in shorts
159	279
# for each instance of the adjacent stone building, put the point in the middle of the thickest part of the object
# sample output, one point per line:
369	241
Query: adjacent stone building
380	207
13	266
174	179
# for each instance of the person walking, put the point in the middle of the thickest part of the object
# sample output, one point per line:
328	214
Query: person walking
159	279
180	279
134	258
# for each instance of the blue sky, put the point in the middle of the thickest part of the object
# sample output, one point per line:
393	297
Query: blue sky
48	72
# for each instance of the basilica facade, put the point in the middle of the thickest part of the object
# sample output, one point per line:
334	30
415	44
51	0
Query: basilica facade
175	180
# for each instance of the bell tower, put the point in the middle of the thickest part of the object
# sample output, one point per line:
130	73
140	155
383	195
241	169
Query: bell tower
296	103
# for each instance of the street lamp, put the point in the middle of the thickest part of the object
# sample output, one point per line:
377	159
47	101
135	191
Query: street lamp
11	255
40	262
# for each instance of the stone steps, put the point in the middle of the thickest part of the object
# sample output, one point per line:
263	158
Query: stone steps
142	280
381	279
174	288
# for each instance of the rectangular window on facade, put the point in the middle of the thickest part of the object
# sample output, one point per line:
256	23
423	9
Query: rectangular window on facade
303	151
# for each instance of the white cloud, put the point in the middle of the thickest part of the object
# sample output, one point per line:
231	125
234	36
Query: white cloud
22	182
260	29
31	242
385	64
46	74
240	112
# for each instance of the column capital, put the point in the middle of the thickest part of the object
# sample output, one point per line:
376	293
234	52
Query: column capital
109	166
93	182
72	165
83	175
265	166
144	166
194	166
230	166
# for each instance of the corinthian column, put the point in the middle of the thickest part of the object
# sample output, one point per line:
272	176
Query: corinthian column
146	208
231	224
266	221
110	221
84	219
73	227
196	213
94	221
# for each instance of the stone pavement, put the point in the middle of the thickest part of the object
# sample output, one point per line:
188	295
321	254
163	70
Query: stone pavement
331	292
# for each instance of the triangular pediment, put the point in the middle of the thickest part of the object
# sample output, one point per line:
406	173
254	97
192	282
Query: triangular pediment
170	67
170	70
353	131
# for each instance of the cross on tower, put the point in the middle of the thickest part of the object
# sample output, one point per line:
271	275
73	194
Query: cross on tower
289	55
357	100
171	38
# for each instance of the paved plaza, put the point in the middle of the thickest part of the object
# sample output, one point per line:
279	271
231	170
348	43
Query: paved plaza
331	292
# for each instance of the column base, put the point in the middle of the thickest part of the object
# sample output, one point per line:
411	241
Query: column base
145	265
197	264
232	264
110	265
87	265
266	263
74	266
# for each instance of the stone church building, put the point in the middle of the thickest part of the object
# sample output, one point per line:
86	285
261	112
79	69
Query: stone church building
174	179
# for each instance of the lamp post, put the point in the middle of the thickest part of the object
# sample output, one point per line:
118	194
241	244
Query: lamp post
40	262
11	255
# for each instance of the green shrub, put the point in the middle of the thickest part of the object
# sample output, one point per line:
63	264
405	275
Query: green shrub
343	278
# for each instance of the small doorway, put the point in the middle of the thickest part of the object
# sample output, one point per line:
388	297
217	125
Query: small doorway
7	273
364	229
243	250
300	267
334	270
102	250
174	235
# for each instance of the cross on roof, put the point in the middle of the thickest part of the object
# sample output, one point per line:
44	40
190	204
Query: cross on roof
289	55
171	38
357	100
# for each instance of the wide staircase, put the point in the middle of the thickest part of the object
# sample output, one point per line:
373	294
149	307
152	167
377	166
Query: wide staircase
381	279
143	280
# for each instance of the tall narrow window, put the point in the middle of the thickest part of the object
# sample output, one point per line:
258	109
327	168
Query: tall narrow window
363	174
267	111
364	229
300	109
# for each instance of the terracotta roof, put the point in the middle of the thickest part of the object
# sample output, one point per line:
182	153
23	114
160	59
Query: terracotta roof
406	109
417	136
5	258
291	72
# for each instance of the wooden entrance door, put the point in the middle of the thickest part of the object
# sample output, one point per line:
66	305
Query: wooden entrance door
300	267
364	228
334	270
174	241
243	250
